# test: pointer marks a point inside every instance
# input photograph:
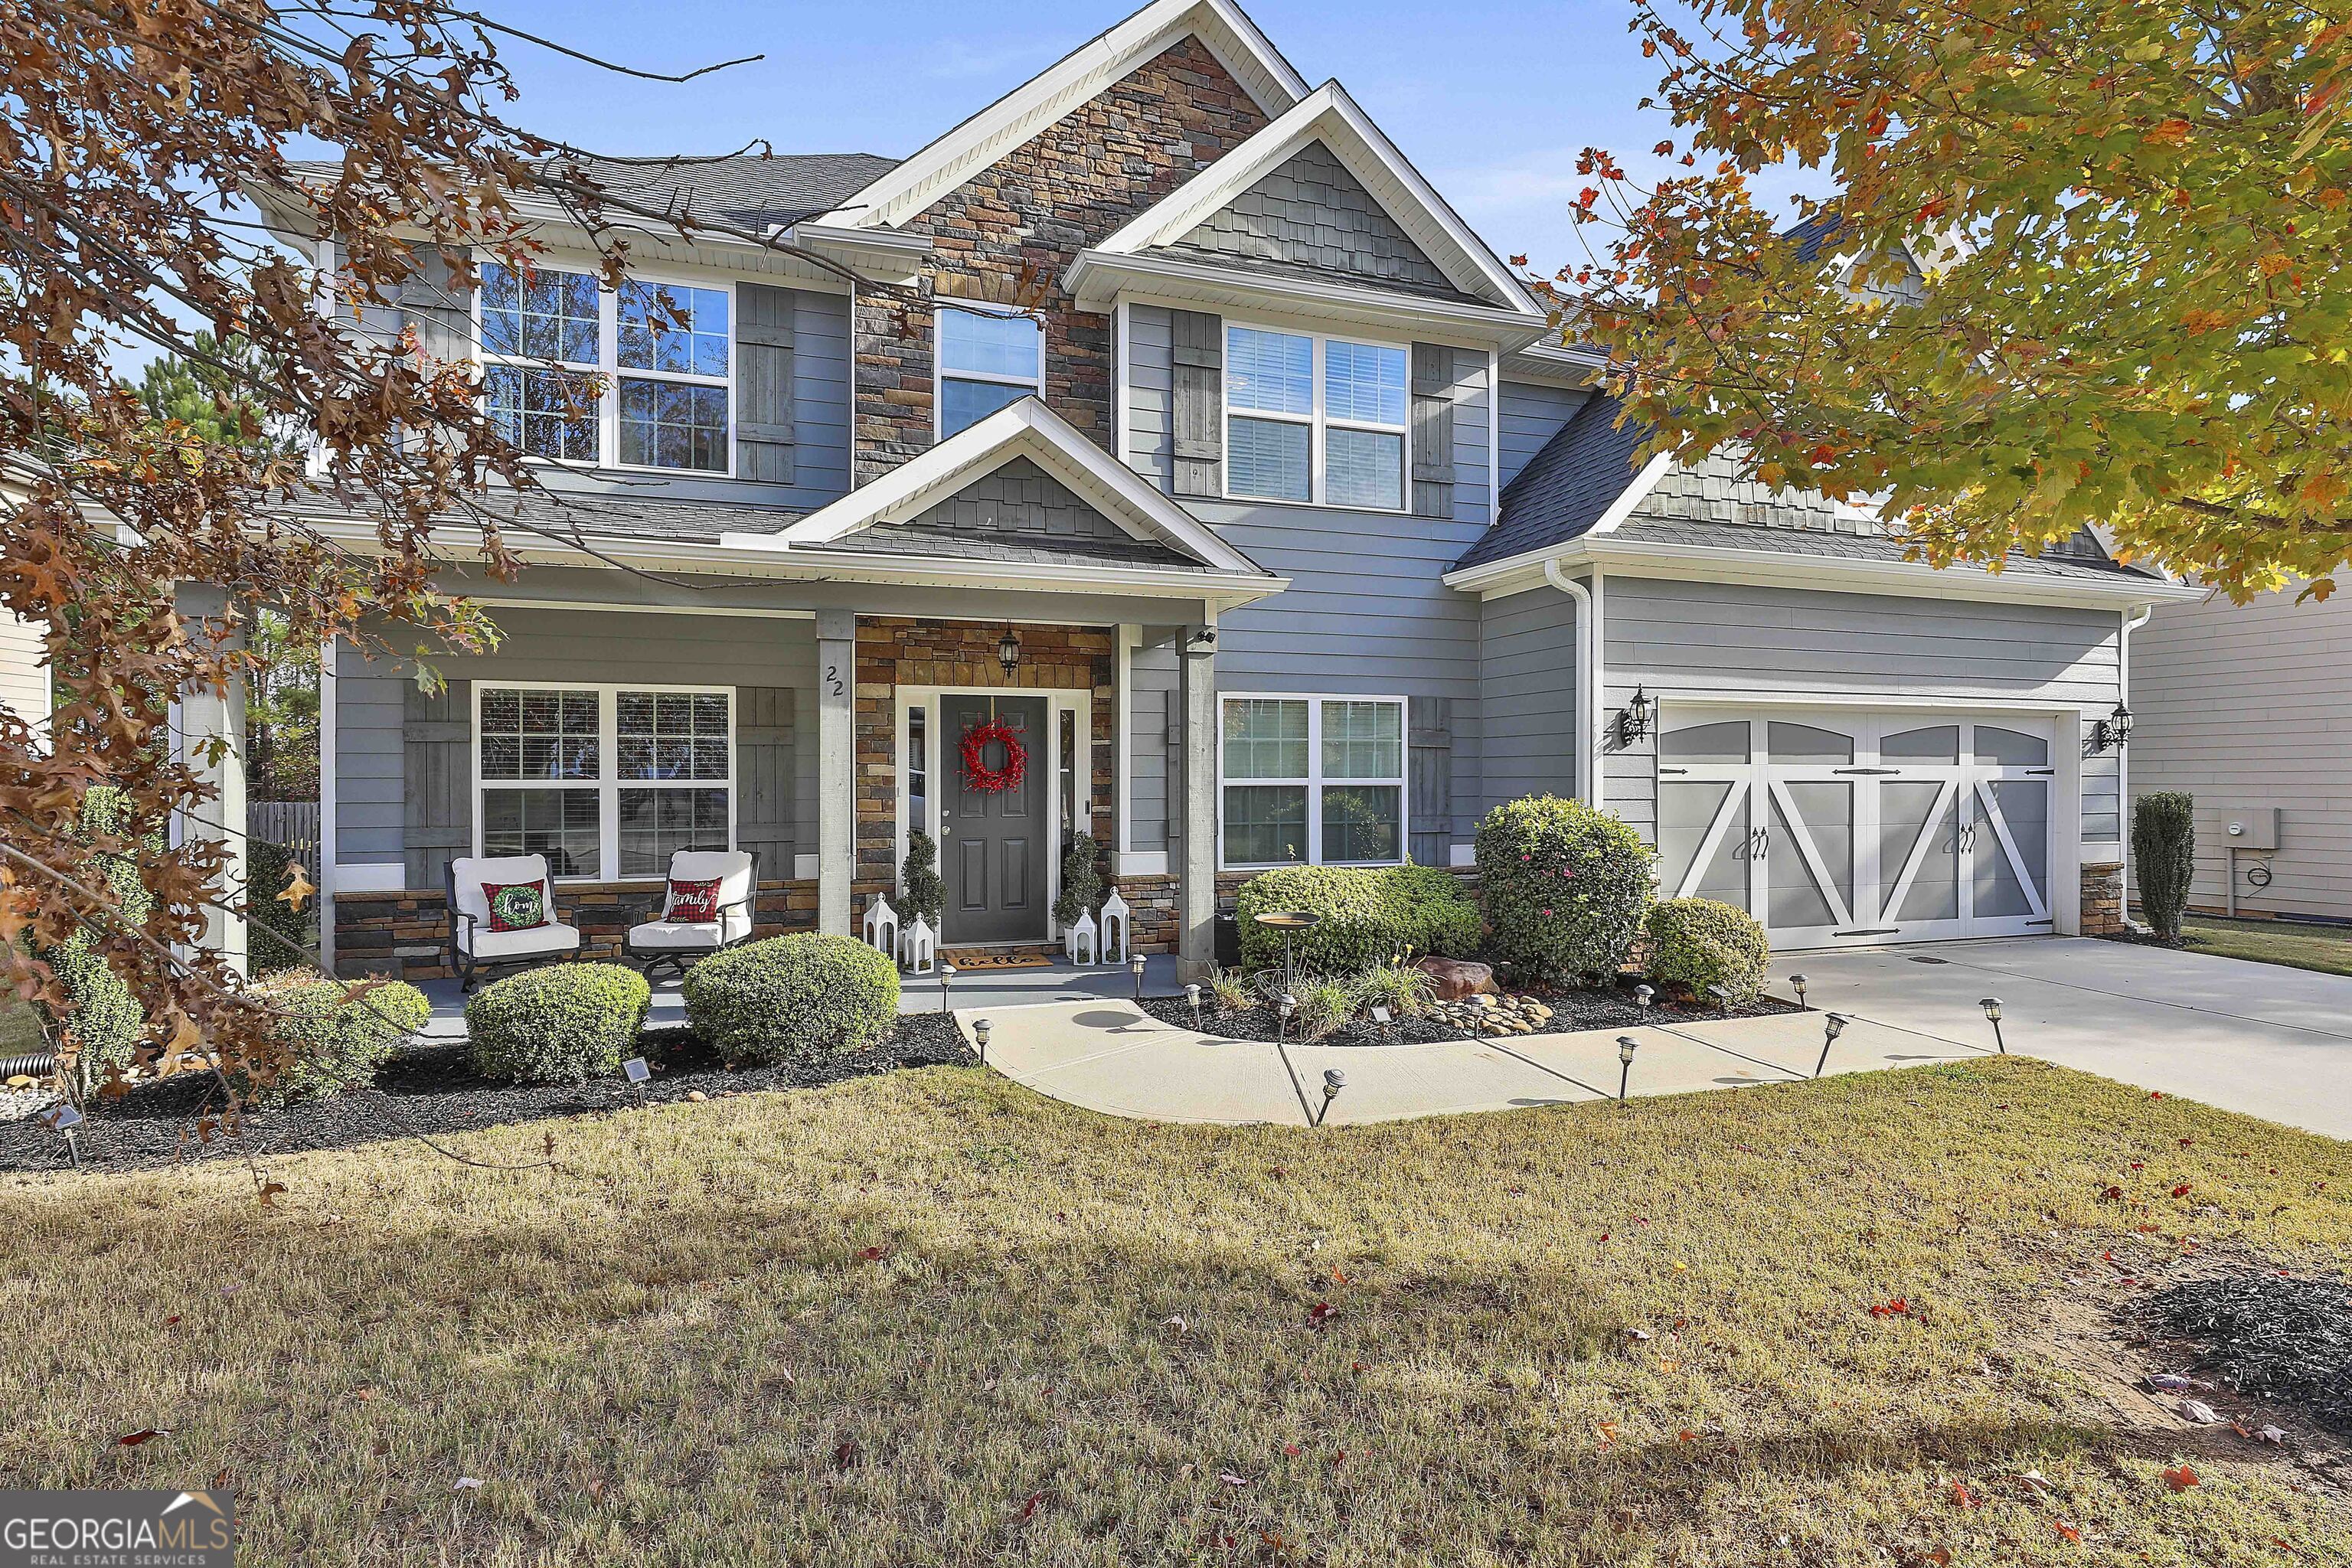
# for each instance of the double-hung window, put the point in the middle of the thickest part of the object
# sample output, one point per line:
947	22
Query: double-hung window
671	343
639	378
1312	780
986	362
543	348
606	782
1315	419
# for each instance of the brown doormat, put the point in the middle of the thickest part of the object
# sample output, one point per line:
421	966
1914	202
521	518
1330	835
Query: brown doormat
982	958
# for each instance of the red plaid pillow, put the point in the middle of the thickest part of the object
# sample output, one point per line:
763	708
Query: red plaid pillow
516	906
693	902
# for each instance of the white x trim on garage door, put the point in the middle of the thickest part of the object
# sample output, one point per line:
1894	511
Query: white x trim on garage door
1842	829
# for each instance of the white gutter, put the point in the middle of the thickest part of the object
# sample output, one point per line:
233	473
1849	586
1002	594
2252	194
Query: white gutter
2132	623
1587	690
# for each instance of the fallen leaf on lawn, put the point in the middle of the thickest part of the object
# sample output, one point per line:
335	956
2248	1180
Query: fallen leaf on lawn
844	1454
1029	1509
1637	1333
170	1320
144	1433
1320	1313
269	1191
1355	1366
466	1484
1231	1479
2272	1434
2174	1382
1337	1277
1176	1323
2196	1410
1681	1267
1291	1449
2156	1094
2065	1530
363	1394
2181	1191
1340	1456
1608	1430
1685	1437
1963	1497
2181	1480
875	1254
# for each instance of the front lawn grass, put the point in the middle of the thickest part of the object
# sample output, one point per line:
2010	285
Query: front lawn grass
933	1318
2328	948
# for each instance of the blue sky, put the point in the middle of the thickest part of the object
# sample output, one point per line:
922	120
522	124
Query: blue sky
1492	101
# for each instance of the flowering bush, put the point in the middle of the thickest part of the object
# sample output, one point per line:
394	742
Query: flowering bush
1566	888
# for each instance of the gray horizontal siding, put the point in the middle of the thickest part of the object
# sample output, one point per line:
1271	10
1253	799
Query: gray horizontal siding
1721	639
1155	681
1532	415
2247	706
1527	663
591	646
1365	613
1150	381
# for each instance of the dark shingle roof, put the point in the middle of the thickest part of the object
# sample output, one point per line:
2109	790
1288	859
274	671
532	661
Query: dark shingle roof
1814	233
1567	487
742	189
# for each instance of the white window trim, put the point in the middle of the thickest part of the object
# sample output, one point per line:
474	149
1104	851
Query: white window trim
608	784
609	372
1318	421
941	375
1314	782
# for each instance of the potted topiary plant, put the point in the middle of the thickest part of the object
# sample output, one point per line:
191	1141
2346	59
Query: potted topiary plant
921	894
1081	883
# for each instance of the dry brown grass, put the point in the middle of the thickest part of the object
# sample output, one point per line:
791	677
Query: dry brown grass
683	1346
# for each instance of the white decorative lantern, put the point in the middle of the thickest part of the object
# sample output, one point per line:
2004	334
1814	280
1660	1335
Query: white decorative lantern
918	949
1085	947
882	926
1116	934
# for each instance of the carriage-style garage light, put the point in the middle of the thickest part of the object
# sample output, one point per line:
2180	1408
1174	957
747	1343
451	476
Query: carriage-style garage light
1008	650
2113	731
1633	719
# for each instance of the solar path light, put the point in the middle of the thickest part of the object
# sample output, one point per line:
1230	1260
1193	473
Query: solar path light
980	1038
946	978
1626	1045
1334	1081
1833	1025
1991	1005
1137	964
1798	982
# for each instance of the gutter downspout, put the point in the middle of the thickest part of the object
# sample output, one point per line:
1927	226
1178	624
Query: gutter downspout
2133	621
1588	691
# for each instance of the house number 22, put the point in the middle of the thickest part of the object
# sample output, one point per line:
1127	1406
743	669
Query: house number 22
833	677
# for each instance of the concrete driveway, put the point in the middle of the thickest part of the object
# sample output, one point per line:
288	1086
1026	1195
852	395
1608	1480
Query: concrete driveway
2270	1041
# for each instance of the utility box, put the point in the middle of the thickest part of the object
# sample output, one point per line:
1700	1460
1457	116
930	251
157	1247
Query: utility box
2242	827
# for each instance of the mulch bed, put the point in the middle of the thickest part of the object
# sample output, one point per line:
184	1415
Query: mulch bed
2269	1335
1571	1010
434	1091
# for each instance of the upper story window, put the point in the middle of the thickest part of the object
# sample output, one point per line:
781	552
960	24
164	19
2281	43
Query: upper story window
552	339
1315	419
986	362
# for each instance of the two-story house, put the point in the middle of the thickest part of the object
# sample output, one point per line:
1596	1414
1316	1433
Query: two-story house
1162	411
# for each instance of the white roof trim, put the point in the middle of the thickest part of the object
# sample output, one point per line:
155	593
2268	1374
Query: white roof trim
1634	494
1221	27
1024	429
1329	116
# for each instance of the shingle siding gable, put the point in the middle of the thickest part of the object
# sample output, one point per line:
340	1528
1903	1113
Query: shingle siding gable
1311	213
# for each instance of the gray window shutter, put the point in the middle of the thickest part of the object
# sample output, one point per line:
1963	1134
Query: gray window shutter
441	311
437	740
763	384
763	777
1433	430
1199	390
1429	777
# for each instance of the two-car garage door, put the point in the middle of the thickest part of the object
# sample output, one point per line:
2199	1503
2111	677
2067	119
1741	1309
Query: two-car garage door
1845	829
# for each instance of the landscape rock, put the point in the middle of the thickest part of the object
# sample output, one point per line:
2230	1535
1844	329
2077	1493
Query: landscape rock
1455	978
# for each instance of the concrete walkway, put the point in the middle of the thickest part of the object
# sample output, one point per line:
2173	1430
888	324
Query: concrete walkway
1110	1055
2258	1038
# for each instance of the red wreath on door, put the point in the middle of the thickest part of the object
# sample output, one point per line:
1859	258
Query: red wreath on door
977	773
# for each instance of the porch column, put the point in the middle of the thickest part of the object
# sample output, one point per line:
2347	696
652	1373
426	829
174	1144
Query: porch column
204	717
1197	890
836	768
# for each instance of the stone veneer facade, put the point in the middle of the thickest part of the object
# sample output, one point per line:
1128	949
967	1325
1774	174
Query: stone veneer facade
2103	898
405	935
1006	235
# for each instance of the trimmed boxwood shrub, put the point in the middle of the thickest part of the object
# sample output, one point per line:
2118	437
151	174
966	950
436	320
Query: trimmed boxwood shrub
282	936
333	1043
1566	888
563	1023
106	1020
793	998
2163	857
1370	915
1700	943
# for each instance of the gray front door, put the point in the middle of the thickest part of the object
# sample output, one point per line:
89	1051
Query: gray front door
994	842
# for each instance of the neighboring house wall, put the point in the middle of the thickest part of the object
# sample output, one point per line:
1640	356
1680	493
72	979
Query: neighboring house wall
24	674
1365	615
1533	414
1699	640
2249	706
1007	236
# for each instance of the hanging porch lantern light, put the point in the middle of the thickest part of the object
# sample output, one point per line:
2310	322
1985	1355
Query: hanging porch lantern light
1008	650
